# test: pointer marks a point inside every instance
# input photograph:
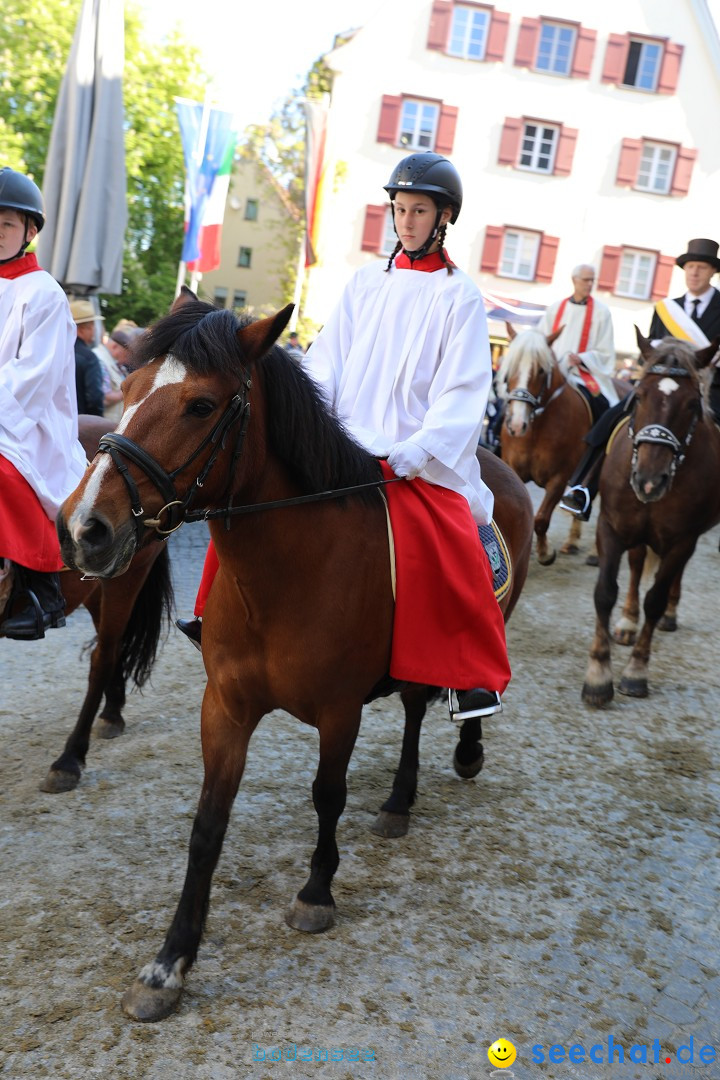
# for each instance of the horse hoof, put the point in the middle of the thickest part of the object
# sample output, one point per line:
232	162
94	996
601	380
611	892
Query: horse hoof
310	918
57	781
549	559
569	549
148	1004
390	825
108	729
668	623
467	769
633	687
624	637
597	695
592	560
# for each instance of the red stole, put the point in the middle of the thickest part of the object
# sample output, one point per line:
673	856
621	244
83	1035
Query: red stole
582	371
427	264
16	268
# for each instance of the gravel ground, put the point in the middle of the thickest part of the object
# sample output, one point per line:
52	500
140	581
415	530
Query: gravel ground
566	896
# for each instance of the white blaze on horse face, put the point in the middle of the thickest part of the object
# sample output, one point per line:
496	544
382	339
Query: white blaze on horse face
518	412
170	371
668	386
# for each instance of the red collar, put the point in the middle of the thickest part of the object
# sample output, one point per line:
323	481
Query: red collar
26	264
428	263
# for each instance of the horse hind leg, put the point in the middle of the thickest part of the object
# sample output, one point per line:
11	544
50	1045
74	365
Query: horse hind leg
313	910
626	628
572	544
668	623
394	817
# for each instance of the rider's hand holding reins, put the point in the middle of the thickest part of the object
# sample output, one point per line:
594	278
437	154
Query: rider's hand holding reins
407	459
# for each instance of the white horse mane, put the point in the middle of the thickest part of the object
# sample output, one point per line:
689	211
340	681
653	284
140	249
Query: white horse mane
529	349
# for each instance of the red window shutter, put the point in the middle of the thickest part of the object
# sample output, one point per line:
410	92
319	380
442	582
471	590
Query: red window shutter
683	171
584	53
492	248
565	151
510	141
527	43
616	55
663	273
609	266
546	257
670	69
629	162
439	29
446	129
497	35
389	119
374	228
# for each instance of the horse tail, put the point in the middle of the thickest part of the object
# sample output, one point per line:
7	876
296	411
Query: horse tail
151	612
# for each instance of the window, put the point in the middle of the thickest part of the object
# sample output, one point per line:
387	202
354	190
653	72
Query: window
239	298
643	64
251	210
519	254
635	276
244	256
418	123
389	237
537	150
555	48
657	167
220	295
468	32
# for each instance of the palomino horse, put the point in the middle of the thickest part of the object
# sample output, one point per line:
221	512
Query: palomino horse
128	616
300	615
671	431
546	419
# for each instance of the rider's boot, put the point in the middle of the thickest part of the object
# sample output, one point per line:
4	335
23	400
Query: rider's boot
584	484
43	611
192	629
472	703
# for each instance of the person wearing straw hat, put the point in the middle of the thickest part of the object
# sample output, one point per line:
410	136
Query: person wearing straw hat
41	460
88	369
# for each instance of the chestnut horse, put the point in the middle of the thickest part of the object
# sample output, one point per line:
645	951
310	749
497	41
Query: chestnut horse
546	420
661	488
300	615
128	616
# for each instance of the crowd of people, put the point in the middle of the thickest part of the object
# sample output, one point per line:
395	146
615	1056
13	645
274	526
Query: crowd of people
404	361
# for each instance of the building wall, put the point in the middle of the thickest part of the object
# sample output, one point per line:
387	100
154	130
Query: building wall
587	210
271	239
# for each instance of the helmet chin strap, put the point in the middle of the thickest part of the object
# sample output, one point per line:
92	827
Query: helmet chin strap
421	252
21	252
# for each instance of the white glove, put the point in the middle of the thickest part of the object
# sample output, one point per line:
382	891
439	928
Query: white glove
407	459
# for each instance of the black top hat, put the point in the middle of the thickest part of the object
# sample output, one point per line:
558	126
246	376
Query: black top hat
700	251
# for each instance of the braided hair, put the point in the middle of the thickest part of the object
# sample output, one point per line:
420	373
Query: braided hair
440	237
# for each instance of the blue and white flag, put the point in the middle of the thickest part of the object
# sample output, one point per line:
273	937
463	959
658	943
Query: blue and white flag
206	133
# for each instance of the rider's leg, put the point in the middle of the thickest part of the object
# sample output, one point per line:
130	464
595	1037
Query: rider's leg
192	628
44	609
584	483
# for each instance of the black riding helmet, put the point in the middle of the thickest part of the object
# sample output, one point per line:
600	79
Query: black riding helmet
430	174
18	192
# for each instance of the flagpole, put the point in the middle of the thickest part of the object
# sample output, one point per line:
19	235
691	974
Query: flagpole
180	278
299	281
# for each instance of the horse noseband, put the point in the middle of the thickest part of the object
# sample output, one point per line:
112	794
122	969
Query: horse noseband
658	433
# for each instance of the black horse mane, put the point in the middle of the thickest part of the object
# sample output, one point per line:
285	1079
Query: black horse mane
301	429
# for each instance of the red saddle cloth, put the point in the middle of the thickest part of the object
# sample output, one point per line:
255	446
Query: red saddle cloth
27	535
448	628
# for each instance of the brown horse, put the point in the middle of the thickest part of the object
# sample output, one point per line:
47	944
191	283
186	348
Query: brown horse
546	420
300	615
671	432
128	616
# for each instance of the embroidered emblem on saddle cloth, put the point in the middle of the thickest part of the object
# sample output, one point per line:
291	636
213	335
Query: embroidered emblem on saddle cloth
447	623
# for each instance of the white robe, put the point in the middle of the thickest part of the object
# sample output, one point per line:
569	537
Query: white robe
406	356
38	403
599	357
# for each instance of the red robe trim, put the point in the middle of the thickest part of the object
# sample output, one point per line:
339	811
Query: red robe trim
428	263
26	264
27	535
448	628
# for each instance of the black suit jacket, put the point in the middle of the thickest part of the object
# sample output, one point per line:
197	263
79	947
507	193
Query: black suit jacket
709	321
88	380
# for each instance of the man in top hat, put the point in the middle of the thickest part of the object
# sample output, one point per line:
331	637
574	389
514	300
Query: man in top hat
88	369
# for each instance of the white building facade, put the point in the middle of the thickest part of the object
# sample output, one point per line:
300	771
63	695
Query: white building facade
577	141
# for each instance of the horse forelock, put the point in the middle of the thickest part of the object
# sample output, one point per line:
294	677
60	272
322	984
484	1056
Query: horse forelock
673	353
202	338
527	354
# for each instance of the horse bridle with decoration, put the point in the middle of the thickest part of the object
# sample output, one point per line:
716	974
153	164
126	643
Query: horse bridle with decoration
658	433
177	509
537	405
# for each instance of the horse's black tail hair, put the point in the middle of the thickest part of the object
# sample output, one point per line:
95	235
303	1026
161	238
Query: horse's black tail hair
151	613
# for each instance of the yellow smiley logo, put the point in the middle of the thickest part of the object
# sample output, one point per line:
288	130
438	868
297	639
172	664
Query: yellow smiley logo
502	1054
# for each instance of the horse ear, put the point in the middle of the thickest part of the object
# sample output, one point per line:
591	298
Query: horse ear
259	336
185	296
552	338
511	331
705	356
646	349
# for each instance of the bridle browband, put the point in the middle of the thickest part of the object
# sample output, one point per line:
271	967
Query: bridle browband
658	433
178	510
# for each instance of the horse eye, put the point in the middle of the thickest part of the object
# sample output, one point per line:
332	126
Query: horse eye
200	408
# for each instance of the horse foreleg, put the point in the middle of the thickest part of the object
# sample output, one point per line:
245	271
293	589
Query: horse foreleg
668	622
394	817
634	681
598	686
625	631
313	910
158	988
546	553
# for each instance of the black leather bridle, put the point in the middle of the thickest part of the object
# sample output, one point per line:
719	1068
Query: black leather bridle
658	433
537	404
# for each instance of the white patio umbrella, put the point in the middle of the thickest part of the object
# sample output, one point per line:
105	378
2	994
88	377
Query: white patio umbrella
84	183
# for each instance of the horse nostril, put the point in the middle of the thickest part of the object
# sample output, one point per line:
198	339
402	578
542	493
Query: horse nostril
95	534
